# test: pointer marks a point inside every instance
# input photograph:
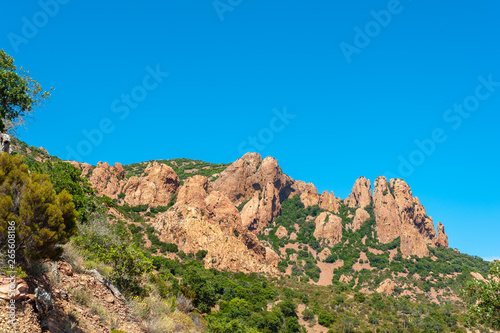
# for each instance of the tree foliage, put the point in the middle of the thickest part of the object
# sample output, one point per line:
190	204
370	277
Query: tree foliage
484	306
19	93
44	220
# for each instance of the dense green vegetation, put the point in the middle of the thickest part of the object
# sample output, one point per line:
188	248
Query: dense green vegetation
34	218
484	304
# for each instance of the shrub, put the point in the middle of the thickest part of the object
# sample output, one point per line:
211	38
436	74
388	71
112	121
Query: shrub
100	243
308	314
43	219
325	318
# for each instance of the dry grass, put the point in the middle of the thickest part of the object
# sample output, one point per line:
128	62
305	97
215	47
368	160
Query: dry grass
184	304
162	316
72	256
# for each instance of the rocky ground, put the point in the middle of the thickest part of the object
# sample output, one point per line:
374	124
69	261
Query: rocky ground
78	302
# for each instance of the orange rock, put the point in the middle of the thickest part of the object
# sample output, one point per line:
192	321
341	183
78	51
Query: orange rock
387	287
329	202
388	222
442	237
155	188
360	218
17	286
281	232
328	228
361	195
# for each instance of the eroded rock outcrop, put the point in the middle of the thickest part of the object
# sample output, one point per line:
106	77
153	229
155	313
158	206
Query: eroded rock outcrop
281	232
442	237
399	214
388	222
262	209
361	194
260	182
329	202
106	179
217	229
328	228
210	221
309	195
417	229
360	218
155	188
249	174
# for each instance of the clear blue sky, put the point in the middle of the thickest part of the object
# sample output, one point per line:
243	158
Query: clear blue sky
359	99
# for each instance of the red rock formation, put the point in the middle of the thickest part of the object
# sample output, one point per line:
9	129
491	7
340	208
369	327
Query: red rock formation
388	222
155	188
215	227
106	179
360	218
249	174
442	237
329	202
260	182
361	195
328	228
194	191
281	232
309	196
398	213
417	229
262	209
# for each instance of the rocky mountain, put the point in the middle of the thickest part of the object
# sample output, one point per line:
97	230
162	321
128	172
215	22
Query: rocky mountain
226	239
224	216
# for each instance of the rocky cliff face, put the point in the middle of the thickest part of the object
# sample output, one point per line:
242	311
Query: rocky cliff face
328	228
211	222
388	222
249	174
154	188
361	195
329	202
260	183
399	214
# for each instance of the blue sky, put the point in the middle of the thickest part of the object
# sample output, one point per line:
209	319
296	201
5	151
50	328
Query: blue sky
333	90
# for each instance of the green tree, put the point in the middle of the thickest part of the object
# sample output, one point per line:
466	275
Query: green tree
19	94
43	219
484	305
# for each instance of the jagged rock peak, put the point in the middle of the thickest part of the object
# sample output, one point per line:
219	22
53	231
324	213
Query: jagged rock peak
361	194
442	237
329	202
